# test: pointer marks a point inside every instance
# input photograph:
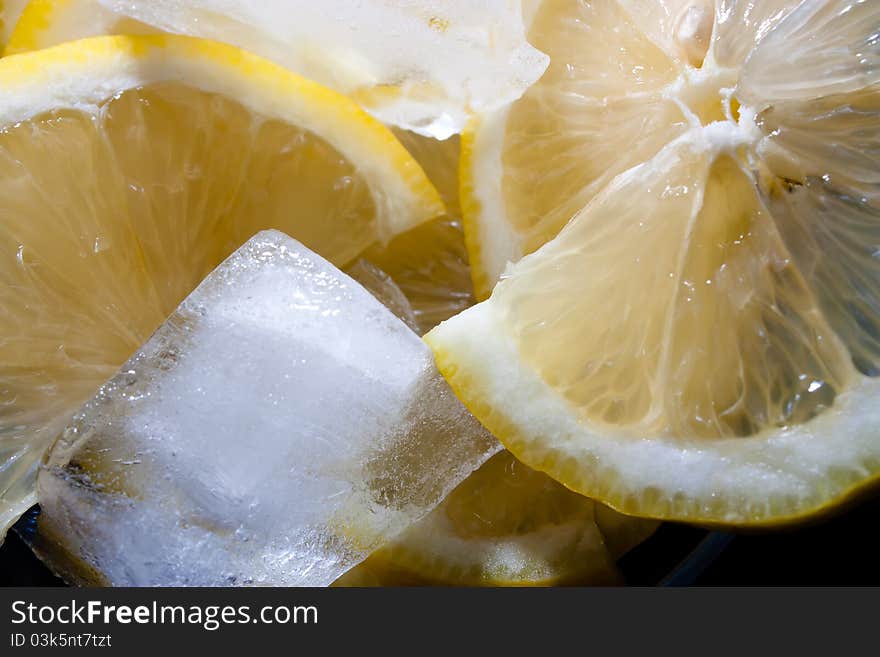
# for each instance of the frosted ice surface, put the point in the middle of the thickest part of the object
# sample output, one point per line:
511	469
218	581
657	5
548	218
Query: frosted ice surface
280	426
380	285
424	65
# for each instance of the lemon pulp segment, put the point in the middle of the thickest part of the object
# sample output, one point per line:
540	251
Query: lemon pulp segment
129	168
699	339
507	525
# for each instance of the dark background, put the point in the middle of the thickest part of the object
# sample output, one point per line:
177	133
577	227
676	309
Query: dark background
841	551
844	550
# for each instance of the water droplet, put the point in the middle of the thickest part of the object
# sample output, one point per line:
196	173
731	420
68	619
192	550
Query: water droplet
342	183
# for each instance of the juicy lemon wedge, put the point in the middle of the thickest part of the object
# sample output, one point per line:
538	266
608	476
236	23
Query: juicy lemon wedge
599	109
507	525
701	341
129	168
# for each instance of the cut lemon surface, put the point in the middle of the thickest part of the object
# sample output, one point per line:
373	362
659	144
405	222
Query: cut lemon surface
507	525
421	65
429	263
701	341
600	108
129	168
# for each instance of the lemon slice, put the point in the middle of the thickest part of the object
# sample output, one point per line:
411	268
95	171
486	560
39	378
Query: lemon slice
421	65
507	525
702	340
599	109
129	168
429	263
610	99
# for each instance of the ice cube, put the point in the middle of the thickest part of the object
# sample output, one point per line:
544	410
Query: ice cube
424	65
380	285
280	426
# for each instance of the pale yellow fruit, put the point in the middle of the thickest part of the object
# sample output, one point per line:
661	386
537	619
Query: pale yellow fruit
507	525
429	264
129	168
701	341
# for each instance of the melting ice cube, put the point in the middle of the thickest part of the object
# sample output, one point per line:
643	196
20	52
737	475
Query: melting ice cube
280	426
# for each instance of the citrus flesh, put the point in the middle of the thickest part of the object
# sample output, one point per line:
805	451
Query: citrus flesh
598	110
701	340
506	525
429	264
129	168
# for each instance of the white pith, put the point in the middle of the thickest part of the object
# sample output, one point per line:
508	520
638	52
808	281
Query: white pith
784	470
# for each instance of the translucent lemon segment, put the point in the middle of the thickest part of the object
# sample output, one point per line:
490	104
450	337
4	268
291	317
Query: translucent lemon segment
611	375
748	347
741	24
700	340
666	355
833	235
142	201
430	265
728	340
596	111
681	28
834	46
507	524
129	168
